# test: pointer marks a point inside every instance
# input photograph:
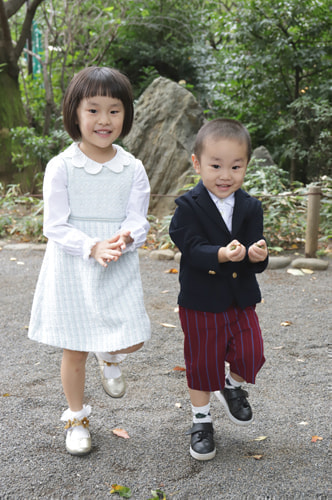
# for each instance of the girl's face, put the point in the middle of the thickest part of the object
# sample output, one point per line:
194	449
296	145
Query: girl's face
222	165
100	119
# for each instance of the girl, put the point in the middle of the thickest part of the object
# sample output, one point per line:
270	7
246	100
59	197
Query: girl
89	294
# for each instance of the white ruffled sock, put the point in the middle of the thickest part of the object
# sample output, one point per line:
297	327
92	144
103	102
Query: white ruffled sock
80	431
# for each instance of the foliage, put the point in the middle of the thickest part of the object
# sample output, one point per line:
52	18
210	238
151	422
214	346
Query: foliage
269	55
21	215
31	152
265	63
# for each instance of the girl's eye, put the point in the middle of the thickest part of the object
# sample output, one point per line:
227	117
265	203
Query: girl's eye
92	111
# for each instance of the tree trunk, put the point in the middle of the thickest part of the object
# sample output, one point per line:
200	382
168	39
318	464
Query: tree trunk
12	114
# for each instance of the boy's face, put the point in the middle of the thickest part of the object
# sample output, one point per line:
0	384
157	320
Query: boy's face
222	165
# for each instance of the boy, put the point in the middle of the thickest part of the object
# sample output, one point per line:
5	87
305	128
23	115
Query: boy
218	228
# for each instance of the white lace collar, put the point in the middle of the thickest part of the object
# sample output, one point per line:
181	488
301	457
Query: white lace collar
121	159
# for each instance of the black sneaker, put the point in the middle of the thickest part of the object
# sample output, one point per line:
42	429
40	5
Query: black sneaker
202	443
236	405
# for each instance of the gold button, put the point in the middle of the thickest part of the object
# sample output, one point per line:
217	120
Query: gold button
234	275
212	272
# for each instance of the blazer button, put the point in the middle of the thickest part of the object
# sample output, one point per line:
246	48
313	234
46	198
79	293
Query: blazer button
234	275
212	272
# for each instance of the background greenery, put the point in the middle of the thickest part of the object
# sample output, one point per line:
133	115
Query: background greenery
266	63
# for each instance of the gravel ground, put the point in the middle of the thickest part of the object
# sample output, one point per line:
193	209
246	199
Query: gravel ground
290	401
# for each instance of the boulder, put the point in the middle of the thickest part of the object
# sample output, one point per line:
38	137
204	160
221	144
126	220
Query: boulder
167	119
310	263
262	154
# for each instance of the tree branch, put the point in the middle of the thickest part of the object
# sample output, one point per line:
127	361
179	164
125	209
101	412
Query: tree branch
26	26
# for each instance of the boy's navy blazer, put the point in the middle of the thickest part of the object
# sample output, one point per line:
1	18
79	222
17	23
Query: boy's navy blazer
198	230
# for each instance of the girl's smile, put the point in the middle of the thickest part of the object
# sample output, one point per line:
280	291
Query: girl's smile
100	119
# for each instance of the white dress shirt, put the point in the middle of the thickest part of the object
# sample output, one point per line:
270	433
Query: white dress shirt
225	207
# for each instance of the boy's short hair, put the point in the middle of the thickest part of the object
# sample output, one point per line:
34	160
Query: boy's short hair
97	81
222	128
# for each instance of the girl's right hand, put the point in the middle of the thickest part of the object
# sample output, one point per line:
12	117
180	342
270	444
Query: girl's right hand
108	250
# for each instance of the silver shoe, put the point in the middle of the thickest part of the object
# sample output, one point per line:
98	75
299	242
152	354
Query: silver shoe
114	387
76	444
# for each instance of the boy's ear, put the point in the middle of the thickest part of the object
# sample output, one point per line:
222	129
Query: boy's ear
196	164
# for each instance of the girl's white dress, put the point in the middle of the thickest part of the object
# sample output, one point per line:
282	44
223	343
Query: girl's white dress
78	304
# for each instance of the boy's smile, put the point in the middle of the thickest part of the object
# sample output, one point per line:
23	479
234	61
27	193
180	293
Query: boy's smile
222	165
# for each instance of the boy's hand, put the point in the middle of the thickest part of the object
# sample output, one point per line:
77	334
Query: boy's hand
257	252
108	250
234	252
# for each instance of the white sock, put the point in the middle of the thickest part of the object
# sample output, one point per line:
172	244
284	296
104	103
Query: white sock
201	414
230	382
80	431
112	371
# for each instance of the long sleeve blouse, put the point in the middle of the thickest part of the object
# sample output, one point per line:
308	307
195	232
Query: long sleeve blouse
57	209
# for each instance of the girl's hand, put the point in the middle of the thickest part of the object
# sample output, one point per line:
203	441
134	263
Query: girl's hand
108	250
125	239
257	252
234	252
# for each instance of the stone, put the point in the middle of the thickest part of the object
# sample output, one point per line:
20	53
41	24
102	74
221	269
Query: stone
310	263
262	154
162	254
177	257
167	119
278	262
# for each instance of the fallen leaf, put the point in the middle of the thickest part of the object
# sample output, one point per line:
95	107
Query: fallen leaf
176	309
256	457
171	271
121	433
307	271
6	395
314	439
278	347
303	423
299	360
157	495
123	491
260	438
168	325
13	258
286	323
179	369
19	263
295	272
165	291
178	405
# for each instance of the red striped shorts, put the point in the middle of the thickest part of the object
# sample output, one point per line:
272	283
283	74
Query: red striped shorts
210	339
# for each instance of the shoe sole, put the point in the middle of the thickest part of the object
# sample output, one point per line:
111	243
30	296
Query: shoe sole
78	454
199	456
223	401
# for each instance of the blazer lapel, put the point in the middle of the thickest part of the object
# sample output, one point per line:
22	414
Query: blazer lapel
203	199
240	210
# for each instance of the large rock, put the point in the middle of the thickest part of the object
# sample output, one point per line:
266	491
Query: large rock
167	119
262	154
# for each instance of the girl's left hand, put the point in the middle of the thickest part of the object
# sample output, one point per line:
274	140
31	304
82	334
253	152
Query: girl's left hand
257	251
124	239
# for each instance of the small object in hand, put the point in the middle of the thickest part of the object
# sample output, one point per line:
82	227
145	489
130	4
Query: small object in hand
260	246
233	247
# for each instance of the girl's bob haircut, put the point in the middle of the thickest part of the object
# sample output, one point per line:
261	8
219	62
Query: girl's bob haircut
222	128
97	81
